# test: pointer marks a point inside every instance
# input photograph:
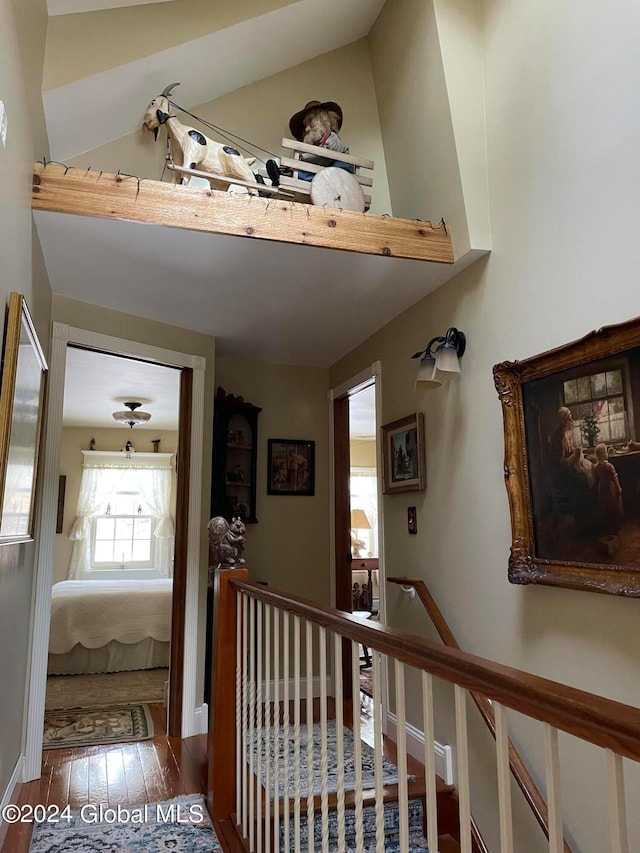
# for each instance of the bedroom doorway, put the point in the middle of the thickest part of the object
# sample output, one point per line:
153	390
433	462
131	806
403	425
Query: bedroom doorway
114	546
186	718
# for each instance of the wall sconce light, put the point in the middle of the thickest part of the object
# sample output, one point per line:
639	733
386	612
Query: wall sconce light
443	360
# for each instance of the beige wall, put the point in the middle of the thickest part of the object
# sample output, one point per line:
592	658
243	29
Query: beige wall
261	113
563	166
289	547
81	315
22	24
74	441
415	115
362	454
111	37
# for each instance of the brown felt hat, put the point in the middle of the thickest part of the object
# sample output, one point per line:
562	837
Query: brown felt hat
296	122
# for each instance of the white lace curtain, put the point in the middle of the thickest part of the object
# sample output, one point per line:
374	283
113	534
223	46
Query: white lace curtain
99	483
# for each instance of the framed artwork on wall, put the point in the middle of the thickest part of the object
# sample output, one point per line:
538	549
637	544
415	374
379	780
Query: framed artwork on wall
403	455
24	372
572	462
291	467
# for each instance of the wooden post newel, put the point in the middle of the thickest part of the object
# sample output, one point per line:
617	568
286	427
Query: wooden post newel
221	741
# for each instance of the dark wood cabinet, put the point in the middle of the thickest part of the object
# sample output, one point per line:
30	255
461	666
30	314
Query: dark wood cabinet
233	480
235	447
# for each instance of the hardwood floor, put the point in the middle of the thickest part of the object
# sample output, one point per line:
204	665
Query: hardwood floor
126	774
146	772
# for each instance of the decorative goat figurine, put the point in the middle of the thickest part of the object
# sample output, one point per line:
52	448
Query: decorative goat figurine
193	148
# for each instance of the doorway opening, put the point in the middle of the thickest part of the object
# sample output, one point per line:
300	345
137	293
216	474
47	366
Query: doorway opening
112	584
359	556
186	718
363	515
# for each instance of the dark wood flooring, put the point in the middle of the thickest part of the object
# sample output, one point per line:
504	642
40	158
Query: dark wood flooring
127	774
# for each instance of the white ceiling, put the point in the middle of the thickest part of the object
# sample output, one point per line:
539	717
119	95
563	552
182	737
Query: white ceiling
272	302
97	384
362	414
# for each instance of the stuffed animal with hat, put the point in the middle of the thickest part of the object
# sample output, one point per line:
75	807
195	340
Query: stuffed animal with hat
317	123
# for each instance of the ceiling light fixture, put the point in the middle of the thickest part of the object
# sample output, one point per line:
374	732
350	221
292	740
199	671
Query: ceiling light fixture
132	417
441	361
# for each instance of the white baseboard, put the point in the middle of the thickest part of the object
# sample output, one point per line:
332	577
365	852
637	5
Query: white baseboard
201	719
17	777
415	748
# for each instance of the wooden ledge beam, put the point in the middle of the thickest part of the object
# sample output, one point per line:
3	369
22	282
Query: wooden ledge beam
91	193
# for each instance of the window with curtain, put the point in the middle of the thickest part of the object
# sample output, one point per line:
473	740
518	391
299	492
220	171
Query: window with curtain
123	525
601	399
363	486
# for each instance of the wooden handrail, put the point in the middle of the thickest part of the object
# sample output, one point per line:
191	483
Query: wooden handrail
595	719
519	770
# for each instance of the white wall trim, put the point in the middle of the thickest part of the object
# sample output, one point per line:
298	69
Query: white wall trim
190	658
201	719
415	748
62	335
353	385
16	779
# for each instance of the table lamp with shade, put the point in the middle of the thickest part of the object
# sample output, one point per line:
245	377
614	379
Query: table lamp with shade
359	521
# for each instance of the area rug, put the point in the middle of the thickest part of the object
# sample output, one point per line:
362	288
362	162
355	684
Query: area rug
181	825
391	829
285	751
366	684
93	726
97	691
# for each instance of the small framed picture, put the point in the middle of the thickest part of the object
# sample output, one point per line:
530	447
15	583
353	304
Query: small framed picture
291	467
403	455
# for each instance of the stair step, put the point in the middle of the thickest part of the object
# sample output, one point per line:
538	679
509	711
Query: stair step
447	844
391	827
417	844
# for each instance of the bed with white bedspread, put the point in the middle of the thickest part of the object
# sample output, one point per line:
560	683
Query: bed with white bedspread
109	625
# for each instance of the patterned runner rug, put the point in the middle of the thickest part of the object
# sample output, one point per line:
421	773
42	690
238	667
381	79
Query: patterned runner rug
284	751
391	829
181	825
92	726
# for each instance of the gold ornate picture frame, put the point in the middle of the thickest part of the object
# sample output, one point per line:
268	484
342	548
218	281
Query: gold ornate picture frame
22	391
572	462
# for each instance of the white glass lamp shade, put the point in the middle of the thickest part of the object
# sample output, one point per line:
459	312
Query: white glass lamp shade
133	416
427	374
447	360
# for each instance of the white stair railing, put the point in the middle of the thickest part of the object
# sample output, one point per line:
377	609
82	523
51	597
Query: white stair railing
281	780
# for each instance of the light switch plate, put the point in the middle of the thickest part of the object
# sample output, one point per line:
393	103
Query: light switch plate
3	125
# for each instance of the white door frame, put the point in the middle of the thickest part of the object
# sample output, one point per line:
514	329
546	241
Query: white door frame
62	335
